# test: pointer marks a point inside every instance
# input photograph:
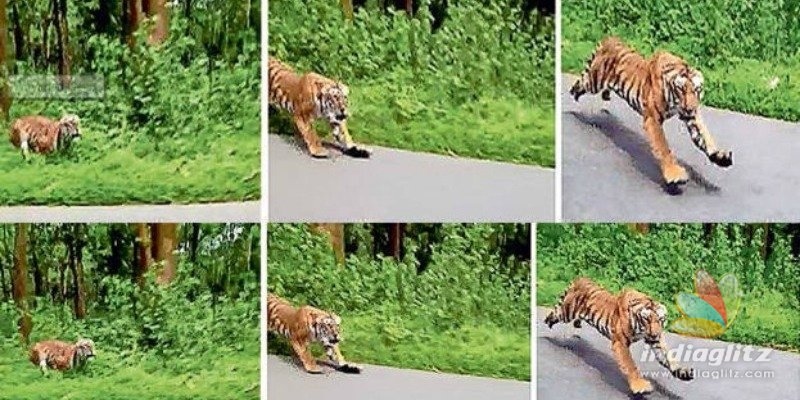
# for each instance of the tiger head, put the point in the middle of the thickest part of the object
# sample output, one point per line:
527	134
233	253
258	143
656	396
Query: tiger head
651	319
686	86
334	103
326	329
69	129
84	350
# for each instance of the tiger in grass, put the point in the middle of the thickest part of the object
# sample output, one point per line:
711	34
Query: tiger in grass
304	325
308	97
623	318
61	356
658	88
44	135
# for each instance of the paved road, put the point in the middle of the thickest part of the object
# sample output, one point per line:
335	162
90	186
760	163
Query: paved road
609	174
285	381
570	367
396	185
212	212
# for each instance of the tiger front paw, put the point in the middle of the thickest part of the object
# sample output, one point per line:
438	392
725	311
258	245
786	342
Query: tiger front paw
349	369
358	152
314	370
684	374
640	386
722	158
319	152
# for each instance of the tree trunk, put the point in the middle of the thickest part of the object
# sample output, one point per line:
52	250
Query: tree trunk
134	17
409	8
18	281
102	17
194	242
116	237
5	70
396	241
19	34
347	8
76	267
158	10
335	233
38	281
165	240
62	42
144	258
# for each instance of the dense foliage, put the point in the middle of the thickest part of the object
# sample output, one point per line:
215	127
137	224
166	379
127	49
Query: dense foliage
197	337
748	50
464	309
174	122
479	85
663	261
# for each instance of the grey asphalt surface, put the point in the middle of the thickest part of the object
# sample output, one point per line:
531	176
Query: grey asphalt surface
286	381
609	174
211	213
396	185
571	367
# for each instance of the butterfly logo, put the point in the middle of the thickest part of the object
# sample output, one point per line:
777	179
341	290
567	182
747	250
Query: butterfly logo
711	309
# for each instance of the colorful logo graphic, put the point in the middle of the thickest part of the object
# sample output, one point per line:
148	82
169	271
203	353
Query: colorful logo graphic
711	309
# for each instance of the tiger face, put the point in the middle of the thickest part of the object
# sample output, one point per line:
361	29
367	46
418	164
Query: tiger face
333	105
651	320
84	349
69	129
326	329
687	89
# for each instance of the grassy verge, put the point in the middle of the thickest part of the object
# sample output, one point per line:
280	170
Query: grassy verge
748	68
389	339
97	172
116	376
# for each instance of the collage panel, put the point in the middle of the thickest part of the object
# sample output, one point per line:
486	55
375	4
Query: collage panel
130	103
683	111
442	112
399	311
667	311
129	311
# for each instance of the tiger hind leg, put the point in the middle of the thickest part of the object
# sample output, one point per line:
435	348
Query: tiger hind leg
578	89
553	318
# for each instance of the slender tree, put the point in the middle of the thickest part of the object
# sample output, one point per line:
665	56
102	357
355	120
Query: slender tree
5	88
158	10
18	281
76	242
335	233
164	242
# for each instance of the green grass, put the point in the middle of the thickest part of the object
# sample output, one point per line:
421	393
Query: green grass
747	54
101	171
491	128
477	349
233	375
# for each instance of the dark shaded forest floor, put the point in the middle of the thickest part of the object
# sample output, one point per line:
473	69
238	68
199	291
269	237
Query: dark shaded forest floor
232	375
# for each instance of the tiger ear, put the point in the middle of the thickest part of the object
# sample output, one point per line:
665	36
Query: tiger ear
345	89
336	319
697	78
661	311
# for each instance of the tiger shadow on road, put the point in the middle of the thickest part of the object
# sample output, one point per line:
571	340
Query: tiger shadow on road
608	368
635	144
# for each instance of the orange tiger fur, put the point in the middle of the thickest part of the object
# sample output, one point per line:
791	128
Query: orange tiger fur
43	135
305	325
308	97
623	318
658	88
60	355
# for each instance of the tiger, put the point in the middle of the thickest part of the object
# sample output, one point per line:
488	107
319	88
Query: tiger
305	325
44	135
308	97
657	88
623	318
62	356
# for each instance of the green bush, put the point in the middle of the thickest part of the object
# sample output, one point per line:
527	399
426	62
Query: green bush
480	86
662	263
747	50
394	315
